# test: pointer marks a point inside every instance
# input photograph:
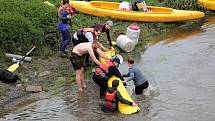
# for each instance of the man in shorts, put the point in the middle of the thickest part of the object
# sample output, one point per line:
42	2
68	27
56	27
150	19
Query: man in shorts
76	58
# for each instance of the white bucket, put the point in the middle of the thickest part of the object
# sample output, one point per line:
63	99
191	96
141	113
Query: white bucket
133	34
125	43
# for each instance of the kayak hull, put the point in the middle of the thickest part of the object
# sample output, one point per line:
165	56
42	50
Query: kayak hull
158	14
209	4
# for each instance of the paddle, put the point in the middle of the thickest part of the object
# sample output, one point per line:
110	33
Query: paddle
14	67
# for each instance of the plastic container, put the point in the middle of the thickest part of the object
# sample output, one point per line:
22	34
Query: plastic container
133	32
125	43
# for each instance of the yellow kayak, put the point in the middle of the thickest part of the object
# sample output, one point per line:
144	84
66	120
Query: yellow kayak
157	14
209	4
123	108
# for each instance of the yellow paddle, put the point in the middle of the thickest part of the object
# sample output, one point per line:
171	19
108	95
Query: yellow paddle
14	67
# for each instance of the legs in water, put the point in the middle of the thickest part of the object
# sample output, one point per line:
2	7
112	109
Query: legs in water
83	83
79	79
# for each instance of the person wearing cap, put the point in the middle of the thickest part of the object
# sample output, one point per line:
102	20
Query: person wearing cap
112	96
136	75
105	28
106	71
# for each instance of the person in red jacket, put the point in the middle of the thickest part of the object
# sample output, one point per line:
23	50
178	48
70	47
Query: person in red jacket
112	96
104	72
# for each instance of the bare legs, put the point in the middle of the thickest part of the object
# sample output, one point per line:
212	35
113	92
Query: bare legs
80	79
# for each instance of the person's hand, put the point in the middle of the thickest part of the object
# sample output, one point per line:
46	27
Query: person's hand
111	48
69	16
134	104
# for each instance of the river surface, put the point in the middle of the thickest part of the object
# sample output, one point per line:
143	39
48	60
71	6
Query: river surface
181	68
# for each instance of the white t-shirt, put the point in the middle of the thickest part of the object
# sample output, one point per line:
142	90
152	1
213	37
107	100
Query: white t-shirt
89	36
124	6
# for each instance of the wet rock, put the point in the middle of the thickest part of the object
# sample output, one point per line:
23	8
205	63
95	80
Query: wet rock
32	88
45	73
18	85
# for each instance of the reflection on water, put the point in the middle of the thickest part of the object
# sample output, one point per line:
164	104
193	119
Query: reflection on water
183	33
183	72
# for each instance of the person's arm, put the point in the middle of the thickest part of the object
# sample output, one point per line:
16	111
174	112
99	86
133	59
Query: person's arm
92	55
126	75
89	36
114	71
123	100
108	37
131	76
103	48
63	15
102	54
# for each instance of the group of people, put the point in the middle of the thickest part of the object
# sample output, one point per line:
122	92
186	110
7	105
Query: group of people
86	43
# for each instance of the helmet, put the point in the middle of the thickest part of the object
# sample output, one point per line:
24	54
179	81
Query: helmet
116	59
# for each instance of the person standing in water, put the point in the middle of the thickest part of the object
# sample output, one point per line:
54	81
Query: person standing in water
137	76
76	58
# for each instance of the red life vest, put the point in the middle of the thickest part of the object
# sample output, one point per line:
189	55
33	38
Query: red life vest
68	9
110	99
102	70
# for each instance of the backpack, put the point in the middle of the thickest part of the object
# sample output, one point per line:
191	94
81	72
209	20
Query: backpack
7	76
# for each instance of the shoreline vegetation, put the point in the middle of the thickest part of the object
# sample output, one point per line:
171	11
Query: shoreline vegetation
26	22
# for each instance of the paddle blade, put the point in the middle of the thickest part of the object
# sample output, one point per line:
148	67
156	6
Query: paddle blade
13	67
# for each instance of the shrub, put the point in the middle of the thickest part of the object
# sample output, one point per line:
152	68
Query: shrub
183	4
27	22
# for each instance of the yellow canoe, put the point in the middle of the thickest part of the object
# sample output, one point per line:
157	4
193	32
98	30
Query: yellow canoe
209	4
123	108
158	14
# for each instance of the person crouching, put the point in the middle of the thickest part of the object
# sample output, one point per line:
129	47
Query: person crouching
112	96
104	72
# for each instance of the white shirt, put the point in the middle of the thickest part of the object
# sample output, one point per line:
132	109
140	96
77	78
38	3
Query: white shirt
89	36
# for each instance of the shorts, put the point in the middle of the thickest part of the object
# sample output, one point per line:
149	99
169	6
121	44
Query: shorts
76	61
139	89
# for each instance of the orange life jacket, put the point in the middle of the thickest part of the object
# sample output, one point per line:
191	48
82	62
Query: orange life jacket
68	9
110	99
102	70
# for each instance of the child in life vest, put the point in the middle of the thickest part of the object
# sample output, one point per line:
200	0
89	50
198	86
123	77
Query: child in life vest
112	96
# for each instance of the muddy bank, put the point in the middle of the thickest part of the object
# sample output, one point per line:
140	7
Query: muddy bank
51	73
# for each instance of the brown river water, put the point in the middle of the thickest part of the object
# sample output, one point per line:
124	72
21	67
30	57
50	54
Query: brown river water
179	66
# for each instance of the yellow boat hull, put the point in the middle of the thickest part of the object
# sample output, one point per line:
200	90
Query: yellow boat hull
209	4
158	14
123	108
